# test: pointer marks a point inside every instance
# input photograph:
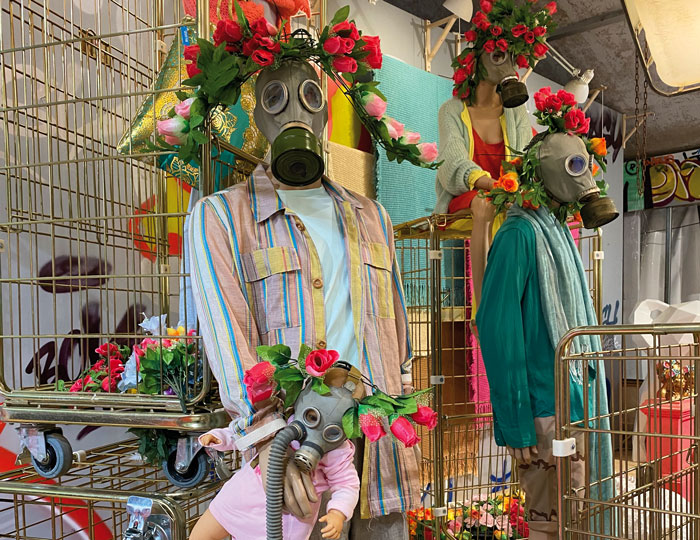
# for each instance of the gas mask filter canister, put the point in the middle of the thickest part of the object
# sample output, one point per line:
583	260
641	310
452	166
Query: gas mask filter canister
500	70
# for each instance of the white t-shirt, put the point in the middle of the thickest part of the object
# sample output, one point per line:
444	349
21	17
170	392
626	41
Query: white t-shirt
317	211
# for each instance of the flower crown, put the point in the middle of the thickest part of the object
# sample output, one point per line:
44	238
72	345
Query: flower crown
278	374
518	183
517	30
242	48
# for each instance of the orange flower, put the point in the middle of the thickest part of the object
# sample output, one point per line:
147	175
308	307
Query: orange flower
596	169
517	162
509	182
577	217
598	146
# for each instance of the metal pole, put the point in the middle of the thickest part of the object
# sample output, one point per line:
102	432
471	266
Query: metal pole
205	177
667	261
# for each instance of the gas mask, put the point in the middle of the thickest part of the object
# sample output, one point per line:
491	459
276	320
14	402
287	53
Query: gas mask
500	70
291	112
322	418
565	170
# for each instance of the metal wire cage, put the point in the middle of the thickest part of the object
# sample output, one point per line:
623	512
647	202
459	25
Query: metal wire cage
460	460
650	485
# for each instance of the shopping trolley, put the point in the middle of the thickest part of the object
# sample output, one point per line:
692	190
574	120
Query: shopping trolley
461	462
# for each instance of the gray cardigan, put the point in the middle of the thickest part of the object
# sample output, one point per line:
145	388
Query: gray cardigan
455	176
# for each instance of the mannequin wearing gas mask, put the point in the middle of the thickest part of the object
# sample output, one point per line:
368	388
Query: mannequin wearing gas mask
484	121
535	290
290	257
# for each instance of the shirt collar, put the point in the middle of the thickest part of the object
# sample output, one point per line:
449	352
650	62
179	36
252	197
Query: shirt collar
264	201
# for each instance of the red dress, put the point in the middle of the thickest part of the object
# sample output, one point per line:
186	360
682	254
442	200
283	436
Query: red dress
489	158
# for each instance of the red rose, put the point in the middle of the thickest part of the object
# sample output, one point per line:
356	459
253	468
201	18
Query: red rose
481	21
539	31
256	395
192	70
260	27
250	46
490	46
191	52
575	121
319	361
469	63
551	7
470	36
553	104
459	76
567	98
345	64
332	45
227	31
108	349
455	92
540	50
115	364
502	44
425	416
77	386
522	61
262	57
98	365
486	6
372	427
585	126
465	93
518	30
529	37
346	29
496	30
109	383
374	58
261	374
403	430
348	44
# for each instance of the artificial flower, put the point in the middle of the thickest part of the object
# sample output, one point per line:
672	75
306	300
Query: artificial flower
575	120
374	58
481	21
263	58
486	519
108	349
348	44
428	152
191	52
518	30
345	64
77	386
486	6
250	46
522	61
109	383
174	130
320	360
516	161
374	105
459	76
470	36
598	146
371	427
262	28
261	374
528	205
410	137
404	431
394	126
332	45
425	416
552	104
472	517
567	98
490	46
595	169
551	7
256	395
529	37
496	30
539	31
227	31
183	108
577	216
509	182
469	63
346	29
540	50
502	44
153	325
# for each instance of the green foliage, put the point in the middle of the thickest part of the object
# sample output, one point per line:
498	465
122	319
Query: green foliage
155	445
351	423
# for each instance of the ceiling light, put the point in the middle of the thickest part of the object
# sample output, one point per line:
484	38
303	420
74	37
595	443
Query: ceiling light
578	86
462	8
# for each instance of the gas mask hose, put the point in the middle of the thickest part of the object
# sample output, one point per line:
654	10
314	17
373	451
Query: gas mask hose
275	477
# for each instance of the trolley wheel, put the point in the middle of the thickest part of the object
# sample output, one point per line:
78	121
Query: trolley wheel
193	476
59	457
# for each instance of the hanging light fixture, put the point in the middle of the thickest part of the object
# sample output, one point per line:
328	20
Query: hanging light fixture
462	8
578	85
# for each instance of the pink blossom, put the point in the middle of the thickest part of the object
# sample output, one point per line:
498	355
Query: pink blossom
411	137
174	130
374	105
486	519
183	108
394	126
428	152
503	523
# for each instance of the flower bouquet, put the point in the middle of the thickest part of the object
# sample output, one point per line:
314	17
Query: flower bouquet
103	375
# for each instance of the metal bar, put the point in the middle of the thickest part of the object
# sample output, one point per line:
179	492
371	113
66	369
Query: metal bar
669	254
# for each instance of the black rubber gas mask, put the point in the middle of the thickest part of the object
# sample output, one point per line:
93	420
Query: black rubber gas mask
565	170
500	70
291	112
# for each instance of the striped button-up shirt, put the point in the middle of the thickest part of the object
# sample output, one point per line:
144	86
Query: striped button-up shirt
257	280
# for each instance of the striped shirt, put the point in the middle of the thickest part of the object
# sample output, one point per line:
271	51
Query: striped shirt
257	280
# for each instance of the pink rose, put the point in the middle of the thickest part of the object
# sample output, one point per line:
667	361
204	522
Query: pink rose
183	108
256	395
490	46
470	36
518	30
394	126
403	430
486	519
428	152
522	61
175	130
552	104
77	386
116	364
374	105
411	137
371	427
529	37
374	58
332	45
108	349
540	50
345	64
502	44
347	45
271	29
425	416
320	360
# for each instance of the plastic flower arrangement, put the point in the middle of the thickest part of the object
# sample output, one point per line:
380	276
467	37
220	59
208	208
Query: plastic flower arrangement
241	48
519	31
518	182
280	374
103	375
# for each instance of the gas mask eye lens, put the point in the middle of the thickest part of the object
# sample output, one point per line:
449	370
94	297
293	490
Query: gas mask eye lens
311	417
498	57
274	97
332	433
576	165
311	96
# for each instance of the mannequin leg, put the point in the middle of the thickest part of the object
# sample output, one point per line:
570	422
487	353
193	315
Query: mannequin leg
207	528
483	213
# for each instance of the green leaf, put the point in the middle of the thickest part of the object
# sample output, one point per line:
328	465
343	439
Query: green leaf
198	136
407	405
276	354
182	95
292	390
340	16
319	386
195	121
168	357
219	53
304	351
288	374
230	95
60	385
240	16
351	423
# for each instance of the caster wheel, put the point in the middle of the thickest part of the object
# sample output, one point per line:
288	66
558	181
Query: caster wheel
193	476
59	457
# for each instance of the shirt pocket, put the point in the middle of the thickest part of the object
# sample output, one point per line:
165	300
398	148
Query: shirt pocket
378	270
271	278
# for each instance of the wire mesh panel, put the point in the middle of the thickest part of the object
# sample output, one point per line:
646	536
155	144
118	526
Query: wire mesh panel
641	479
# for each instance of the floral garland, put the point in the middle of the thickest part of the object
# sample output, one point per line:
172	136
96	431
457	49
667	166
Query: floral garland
517	30
518	183
242	48
279	373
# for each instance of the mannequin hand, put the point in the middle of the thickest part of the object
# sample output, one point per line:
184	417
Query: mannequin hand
484	182
299	491
334	520
209	440
523	455
407	388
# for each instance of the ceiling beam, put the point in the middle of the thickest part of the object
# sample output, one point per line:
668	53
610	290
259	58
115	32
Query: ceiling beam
586	25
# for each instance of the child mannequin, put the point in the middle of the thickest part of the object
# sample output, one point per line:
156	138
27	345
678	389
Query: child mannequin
239	508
